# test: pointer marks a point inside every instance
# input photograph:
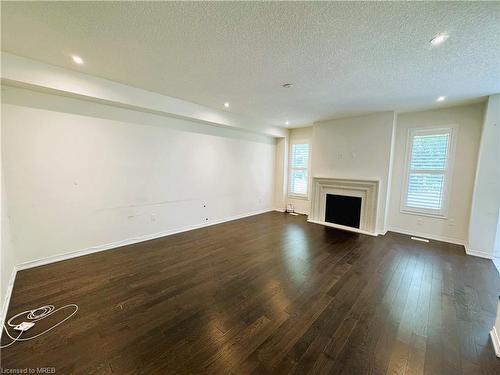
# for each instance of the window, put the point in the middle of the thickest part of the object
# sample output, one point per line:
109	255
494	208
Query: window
428	171
299	169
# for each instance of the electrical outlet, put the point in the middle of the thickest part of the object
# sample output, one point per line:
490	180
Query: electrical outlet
24	326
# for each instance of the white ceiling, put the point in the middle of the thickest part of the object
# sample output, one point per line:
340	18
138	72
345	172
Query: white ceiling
343	58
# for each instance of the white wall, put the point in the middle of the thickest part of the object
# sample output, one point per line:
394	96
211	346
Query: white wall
301	135
357	148
455	227
486	199
7	256
80	174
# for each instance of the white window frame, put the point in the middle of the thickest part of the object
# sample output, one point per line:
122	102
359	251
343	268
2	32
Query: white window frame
450	158
308	169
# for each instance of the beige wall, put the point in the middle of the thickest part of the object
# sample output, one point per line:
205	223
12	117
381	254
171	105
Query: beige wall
454	229
356	148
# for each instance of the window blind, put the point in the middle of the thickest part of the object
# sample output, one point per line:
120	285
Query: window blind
299	169
427	170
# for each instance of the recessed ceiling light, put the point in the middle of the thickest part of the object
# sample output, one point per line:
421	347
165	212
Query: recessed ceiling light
441	98
287	85
77	59
226	104
287	122
438	39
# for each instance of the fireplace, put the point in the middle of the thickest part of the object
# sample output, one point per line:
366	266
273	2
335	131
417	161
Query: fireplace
345	203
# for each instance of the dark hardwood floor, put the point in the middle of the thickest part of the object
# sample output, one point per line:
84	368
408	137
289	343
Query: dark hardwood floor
266	294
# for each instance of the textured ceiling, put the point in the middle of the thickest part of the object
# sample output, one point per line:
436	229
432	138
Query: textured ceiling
343	58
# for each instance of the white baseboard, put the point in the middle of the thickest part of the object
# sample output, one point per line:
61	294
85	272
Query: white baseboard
477	253
6	301
343	227
455	241
434	237
495	340
129	241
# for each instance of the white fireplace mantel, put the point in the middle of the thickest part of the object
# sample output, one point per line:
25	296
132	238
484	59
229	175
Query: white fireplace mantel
366	189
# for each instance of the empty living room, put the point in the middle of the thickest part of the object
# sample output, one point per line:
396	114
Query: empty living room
250	187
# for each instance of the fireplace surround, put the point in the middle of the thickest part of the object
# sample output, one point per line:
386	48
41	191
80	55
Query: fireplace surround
366	189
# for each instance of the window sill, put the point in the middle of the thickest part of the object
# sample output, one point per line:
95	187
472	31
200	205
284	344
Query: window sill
426	214
302	197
